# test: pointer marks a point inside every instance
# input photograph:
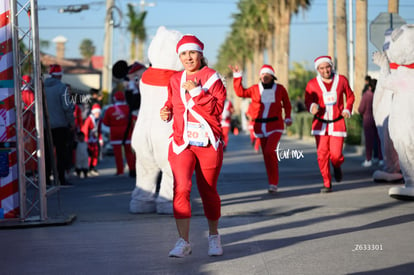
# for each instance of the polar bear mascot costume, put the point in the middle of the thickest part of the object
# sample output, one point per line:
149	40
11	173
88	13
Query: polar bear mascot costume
390	171
400	81
150	137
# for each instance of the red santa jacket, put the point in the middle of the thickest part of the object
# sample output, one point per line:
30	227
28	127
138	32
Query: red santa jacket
92	129
116	118
27	98
77	113
266	106
203	104
330	99
226	115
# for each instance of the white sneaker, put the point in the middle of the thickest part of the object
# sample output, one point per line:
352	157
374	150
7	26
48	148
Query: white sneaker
367	163
214	245
94	172
272	188
181	249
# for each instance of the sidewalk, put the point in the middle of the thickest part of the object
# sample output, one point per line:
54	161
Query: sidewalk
357	229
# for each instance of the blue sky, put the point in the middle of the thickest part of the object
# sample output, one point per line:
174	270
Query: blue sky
210	20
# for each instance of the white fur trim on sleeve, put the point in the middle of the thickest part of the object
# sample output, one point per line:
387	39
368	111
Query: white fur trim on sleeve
237	74
347	111
311	107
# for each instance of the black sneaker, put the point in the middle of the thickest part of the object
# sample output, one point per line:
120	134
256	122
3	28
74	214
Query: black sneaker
338	173
133	174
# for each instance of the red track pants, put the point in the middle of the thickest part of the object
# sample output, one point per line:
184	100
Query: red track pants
207	164
93	149
119	159
225	130
269	145
329	148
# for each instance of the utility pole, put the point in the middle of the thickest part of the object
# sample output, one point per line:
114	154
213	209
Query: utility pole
331	29
393	6
351	45
107	58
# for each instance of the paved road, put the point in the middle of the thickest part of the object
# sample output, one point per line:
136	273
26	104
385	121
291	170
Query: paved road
357	229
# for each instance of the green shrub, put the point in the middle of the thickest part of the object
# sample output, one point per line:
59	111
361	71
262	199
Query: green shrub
354	130
302	124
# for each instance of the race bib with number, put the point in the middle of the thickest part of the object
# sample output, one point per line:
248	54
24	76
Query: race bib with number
329	98
197	135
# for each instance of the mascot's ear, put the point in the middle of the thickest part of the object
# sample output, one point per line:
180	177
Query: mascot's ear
120	69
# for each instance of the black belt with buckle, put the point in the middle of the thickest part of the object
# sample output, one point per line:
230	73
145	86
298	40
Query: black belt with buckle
264	120
329	121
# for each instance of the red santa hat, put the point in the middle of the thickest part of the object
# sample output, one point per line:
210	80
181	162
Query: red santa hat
189	42
55	69
323	59
267	69
135	67
119	96
26	79
95	108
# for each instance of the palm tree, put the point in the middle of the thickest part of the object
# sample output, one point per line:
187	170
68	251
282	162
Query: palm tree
87	49
261	25
232	51
138	33
250	25
341	38
282	13
361	49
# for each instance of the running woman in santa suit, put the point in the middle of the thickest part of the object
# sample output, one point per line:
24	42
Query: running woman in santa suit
324	98
195	103
268	100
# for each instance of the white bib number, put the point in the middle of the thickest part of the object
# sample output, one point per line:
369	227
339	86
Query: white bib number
197	135
268	96
329	98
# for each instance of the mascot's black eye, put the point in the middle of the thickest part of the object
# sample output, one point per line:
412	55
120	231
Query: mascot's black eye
136	79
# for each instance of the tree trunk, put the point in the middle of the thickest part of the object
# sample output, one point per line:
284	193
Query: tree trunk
341	38
140	53
331	29
276	43
269	49
249	73
258	62
283	68
361	49
132	51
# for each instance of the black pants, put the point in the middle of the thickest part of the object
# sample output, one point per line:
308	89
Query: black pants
82	170
62	145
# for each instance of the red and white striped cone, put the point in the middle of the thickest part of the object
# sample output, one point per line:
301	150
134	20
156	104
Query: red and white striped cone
9	185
